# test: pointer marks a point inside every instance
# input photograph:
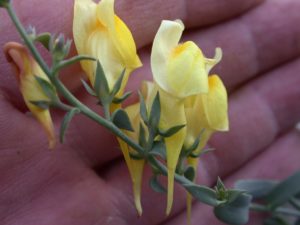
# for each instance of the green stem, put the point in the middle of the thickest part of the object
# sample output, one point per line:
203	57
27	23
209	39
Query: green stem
27	40
279	210
51	73
94	116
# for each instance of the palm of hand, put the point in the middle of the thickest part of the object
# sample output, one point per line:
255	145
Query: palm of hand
85	182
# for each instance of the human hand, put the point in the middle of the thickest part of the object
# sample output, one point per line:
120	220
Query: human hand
85	182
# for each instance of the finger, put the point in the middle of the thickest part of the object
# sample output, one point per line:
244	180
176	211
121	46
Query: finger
268	165
143	25
257	117
255	43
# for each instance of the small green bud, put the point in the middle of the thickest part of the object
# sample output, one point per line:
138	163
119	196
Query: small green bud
31	32
4	3
60	48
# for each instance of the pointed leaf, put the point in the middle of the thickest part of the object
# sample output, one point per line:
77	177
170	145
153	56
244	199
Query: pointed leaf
295	203
88	88
235	212
122	99
101	86
121	120
65	123
256	188
44	39
155	112
202	194
159	149
190	173
233	194
220	185
118	84
284	191
143	109
41	104
170	132
156	185
47	88
142	136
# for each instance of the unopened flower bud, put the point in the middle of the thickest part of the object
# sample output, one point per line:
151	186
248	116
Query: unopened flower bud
31	32
60	48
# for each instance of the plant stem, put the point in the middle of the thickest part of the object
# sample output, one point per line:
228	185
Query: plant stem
63	90
27	40
279	210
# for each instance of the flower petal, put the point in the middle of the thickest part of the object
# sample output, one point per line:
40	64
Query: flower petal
98	32
26	69
215	106
174	144
179	69
136	167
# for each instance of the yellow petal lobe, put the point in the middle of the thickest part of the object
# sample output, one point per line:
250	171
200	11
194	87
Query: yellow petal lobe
135	167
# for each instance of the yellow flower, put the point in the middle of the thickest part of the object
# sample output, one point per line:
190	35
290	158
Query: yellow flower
26	69
205	114
99	33
179	71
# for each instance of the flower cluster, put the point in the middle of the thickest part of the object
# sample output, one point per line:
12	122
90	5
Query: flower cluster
178	111
188	96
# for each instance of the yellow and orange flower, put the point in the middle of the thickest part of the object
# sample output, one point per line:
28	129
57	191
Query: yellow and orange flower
99	33
26	68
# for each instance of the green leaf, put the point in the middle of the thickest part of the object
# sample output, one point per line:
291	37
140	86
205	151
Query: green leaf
295	203
256	188
190	173
143	109
44	39
284	191
121	120
235	212
233	194
65	123
118	84
67	48
171	131
101	86
47	88
88	88
220	185
121	99
156	185
41	104
159	149
142	136
189	151
155	112
202	194
276	220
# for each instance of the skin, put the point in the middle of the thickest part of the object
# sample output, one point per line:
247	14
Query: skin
85	181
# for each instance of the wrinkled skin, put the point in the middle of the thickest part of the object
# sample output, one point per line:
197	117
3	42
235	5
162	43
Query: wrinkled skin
85	181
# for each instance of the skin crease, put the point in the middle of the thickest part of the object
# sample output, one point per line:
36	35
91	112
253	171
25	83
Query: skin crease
85	181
